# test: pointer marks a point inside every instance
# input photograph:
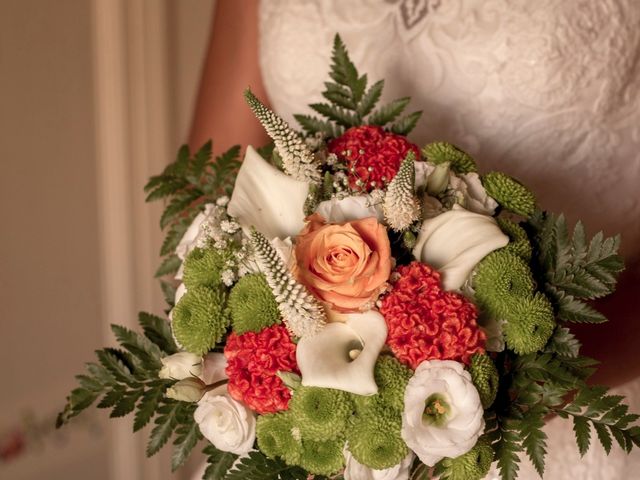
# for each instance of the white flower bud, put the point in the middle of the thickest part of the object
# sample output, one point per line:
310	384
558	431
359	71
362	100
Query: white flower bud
181	365
438	179
187	390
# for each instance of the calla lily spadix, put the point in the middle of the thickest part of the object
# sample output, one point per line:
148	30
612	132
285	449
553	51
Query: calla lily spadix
267	199
343	355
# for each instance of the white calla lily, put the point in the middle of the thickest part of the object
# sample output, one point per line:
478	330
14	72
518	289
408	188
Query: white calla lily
343	354
455	241
350	208
267	199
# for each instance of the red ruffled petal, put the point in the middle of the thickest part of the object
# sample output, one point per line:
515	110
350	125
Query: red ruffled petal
372	154
425	322
253	359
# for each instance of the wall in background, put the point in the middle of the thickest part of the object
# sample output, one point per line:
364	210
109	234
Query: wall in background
94	97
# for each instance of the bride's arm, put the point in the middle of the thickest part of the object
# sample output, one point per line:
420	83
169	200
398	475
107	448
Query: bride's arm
231	65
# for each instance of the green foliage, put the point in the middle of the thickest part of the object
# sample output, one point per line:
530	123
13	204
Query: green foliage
200	319
443	152
564	343
519	243
509	193
608	415
320	413
252	304
350	103
485	378
126	380
473	465
573	269
257	466
218	463
275	435
507	448
186	185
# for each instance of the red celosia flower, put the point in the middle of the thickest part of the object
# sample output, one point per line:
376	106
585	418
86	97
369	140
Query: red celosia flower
253	359
426	322
372	155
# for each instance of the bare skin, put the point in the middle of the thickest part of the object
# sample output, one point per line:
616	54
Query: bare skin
231	65
221	113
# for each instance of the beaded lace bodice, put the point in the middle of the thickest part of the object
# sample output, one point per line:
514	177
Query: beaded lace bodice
548	91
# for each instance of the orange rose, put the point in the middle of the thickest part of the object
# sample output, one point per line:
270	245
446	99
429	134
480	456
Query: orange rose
345	265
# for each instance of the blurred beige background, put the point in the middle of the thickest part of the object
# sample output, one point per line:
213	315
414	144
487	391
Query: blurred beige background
95	96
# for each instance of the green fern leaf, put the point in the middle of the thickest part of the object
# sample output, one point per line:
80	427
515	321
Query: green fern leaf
187	436
534	439
564	343
218	463
165	422
126	404
370	99
158	331
169	266
338	114
406	124
147	407
583	434
389	112
312	125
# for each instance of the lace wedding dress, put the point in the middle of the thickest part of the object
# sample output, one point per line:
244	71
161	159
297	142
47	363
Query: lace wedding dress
548	91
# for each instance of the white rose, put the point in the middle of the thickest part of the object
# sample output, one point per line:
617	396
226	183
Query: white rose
350	208
443	415
190	389
226	423
455	241
423	170
190	238
356	471
181	365
474	196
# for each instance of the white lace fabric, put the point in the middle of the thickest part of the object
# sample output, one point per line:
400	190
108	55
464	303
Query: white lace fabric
547	91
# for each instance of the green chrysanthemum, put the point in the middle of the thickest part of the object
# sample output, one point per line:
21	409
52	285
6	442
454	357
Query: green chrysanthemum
279	437
484	375
441	152
500	279
252	305
200	319
530	324
391	377
321	413
322	457
518	240
203	267
376	441
473	465
509	193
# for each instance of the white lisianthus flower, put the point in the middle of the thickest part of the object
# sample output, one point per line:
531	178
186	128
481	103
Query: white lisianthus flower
423	170
455	241
354	470
226	423
443	415
181	365
191	237
350	208
267	199
474	196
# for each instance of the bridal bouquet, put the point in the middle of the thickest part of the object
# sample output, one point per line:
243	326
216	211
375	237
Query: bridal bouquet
349	305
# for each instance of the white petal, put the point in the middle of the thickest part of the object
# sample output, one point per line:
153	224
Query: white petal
350	208
455	241
267	199
324	359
